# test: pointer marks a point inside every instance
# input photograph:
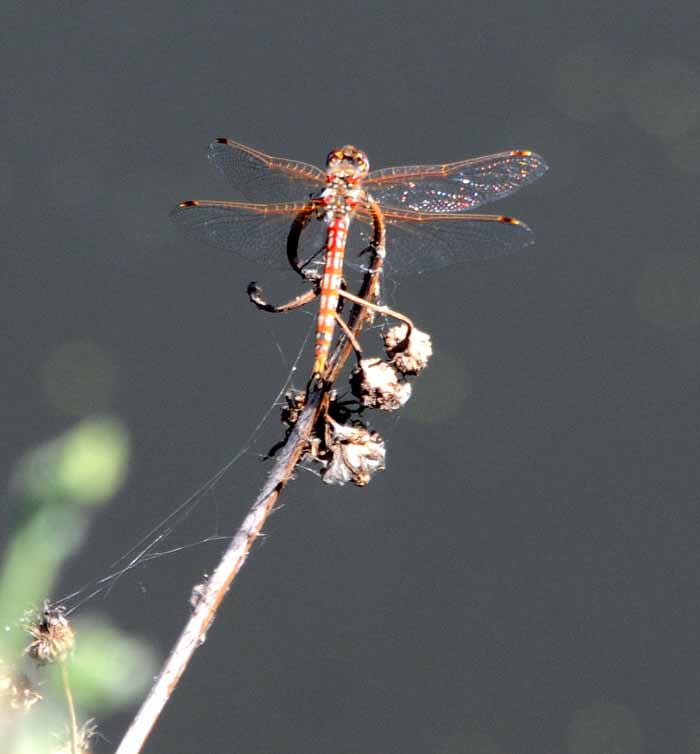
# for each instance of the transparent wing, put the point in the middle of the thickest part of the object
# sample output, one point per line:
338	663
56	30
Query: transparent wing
455	186
262	178
259	232
419	242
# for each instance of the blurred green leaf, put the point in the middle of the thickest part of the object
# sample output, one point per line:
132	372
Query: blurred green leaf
108	668
84	466
56	485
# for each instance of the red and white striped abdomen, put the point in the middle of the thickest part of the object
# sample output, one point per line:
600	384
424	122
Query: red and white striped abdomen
330	285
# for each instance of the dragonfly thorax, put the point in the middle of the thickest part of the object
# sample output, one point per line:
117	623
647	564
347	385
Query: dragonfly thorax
339	200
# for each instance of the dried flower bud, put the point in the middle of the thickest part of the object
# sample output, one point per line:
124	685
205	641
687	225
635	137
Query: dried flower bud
356	453
409	357
378	385
16	692
53	636
199	592
295	400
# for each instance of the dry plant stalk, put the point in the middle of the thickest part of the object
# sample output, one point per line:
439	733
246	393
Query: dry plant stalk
208	597
52	643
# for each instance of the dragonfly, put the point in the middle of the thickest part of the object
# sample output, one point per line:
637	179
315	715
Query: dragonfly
426	210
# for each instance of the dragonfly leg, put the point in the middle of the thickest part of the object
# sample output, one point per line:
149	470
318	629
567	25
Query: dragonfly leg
310	211
349	335
301	268
255	296
381	310
310	276
341	300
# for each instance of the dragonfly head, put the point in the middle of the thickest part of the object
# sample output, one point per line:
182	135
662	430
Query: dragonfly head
348	162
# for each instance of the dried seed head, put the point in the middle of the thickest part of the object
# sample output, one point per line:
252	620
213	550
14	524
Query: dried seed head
16	693
408	356
53	636
356	453
378	385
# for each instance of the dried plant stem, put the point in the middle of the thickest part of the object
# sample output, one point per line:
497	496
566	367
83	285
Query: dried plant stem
71	709
194	631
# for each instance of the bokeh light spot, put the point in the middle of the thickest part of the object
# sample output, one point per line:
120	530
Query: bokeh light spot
664	98
79	378
668	291
75	181
440	391
605	728
7	187
694	739
684	153
589	83
474	740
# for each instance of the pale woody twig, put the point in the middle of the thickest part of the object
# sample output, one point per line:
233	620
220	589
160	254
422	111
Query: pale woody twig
195	630
211	596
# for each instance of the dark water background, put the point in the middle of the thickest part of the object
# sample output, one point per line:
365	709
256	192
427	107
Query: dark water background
524	577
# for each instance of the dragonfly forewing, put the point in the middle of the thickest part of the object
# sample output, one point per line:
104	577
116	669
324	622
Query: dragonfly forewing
259	177
456	186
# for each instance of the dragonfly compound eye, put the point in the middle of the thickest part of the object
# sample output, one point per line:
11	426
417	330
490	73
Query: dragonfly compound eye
334	156
362	162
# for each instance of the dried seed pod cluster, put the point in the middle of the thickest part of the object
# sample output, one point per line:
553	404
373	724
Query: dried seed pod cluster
409	352
343	446
377	384
382	384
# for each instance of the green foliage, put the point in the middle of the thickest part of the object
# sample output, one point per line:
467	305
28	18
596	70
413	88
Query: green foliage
56	490
109	669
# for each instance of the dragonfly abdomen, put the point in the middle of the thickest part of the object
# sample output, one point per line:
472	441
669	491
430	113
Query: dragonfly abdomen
330	286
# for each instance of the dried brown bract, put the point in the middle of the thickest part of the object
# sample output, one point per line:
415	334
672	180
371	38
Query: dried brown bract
86	733
376	384
53	636
17	694
355	453
409	355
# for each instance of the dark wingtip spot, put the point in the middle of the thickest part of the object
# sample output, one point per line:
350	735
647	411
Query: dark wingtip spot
221	140
521	153
190	203
510	220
